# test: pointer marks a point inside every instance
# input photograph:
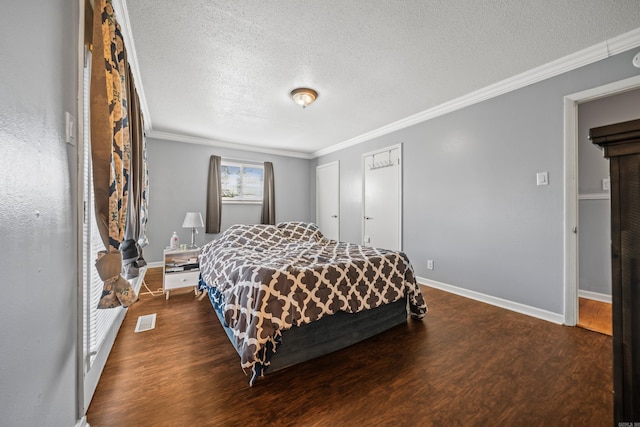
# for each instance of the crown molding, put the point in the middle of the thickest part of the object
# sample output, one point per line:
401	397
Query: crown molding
624	42
576	60
168	136
122	15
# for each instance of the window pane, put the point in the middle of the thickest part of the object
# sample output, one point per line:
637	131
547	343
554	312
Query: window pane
230	177
241	182
252	183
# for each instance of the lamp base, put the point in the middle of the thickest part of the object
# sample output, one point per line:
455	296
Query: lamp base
193	239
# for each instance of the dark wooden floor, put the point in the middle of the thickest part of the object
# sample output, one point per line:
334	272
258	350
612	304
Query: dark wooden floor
467	363
595	316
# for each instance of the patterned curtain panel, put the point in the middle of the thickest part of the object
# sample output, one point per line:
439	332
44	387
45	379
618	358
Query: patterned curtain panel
144	200
131	248
132	226
214	196
110	151
269	196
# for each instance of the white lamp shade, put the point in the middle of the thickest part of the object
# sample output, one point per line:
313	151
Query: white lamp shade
193	219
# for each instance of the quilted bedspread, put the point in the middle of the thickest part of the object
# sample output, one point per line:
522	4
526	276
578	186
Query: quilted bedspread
266	279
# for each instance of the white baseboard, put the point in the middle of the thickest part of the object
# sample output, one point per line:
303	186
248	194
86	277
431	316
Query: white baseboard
82	422
594	296
498	302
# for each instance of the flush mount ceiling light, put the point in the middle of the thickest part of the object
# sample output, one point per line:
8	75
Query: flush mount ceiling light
304	96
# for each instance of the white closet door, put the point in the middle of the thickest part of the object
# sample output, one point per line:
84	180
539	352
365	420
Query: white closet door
382	198
328	199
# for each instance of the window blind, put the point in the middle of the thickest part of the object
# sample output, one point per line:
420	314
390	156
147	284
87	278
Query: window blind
96	322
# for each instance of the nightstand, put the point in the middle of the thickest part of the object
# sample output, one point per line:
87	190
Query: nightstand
181	269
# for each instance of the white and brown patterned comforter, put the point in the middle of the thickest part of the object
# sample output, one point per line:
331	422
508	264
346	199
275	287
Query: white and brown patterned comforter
266	279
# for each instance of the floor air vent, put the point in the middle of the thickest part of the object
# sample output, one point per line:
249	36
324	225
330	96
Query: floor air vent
146	323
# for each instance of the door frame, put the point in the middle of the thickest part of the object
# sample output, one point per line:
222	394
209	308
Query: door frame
570	225
400	186
336	163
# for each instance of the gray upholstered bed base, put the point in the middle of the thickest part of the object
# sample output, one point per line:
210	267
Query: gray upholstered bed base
332	333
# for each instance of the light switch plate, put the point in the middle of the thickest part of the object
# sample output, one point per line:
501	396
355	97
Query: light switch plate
542	178
606	184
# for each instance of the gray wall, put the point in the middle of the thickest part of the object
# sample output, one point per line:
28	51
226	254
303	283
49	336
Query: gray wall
471	202
595	215
37	214
178	184
593	167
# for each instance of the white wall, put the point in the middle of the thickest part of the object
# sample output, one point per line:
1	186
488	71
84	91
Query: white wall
37	214
178	184
471	202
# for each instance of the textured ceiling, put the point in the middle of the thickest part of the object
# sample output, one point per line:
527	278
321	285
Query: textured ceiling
223	70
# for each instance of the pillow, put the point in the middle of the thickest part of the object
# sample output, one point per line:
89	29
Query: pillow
302	231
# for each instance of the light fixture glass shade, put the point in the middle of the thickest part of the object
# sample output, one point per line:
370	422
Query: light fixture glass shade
193	220
304	96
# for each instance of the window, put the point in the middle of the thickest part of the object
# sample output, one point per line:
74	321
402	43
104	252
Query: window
97	325
97	322
241	182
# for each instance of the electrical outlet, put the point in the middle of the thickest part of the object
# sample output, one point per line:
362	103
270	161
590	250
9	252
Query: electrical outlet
429	264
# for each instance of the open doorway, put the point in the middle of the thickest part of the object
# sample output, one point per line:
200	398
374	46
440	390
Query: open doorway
594	209
587	220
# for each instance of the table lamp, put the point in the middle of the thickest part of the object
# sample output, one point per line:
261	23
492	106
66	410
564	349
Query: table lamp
193	220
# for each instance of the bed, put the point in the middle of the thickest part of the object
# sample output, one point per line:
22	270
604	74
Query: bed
286	294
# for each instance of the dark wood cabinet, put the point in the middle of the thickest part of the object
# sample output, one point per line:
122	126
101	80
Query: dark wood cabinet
621	145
